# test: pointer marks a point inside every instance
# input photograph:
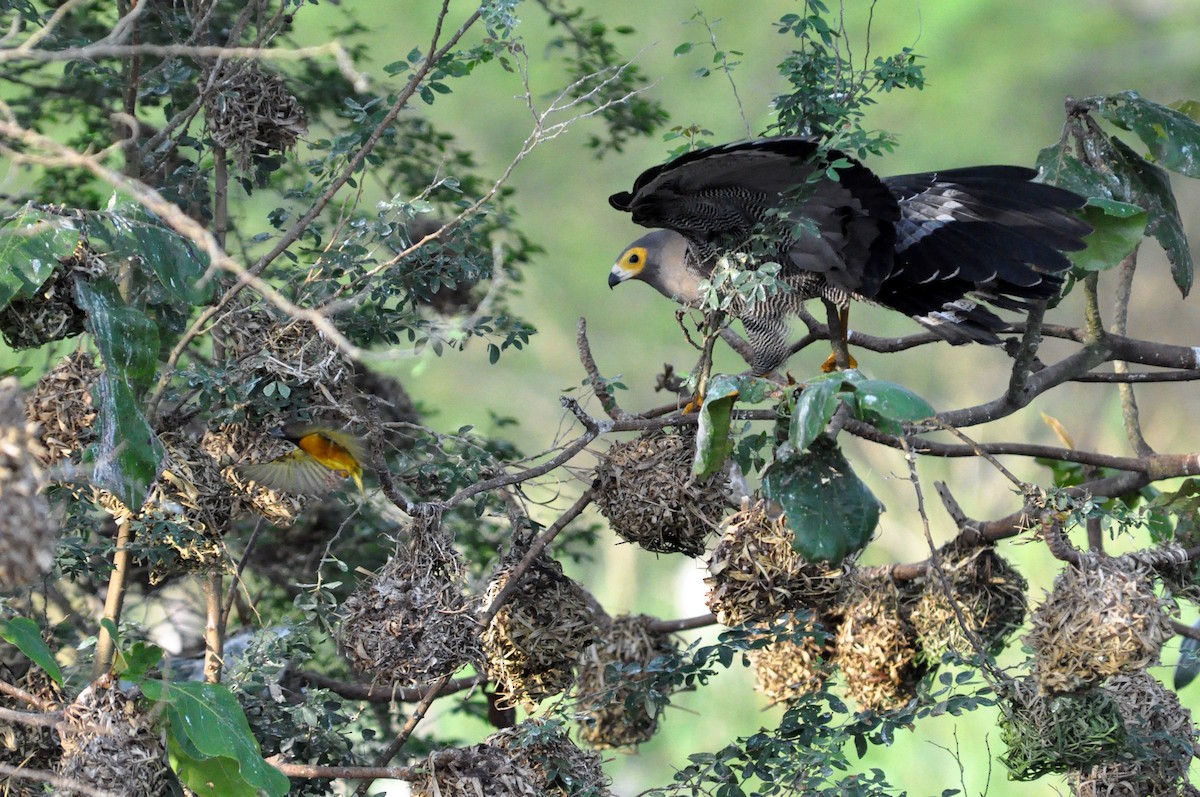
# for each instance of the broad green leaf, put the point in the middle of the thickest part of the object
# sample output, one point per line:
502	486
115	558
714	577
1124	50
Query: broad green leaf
140	658
27	636
1128	178
127	453
31	244
217	776
1172	137
815	405
131	234
832	513
206	722
887	405
712	430
1114	234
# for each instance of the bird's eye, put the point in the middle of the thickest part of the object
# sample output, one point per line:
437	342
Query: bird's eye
633	257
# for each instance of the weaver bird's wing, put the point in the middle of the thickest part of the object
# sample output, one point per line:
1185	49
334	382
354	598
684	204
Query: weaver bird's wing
294	472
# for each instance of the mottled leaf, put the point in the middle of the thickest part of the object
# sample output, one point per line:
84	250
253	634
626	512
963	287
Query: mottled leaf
887	405
1172	137
129	233
712	431
832	513
815	405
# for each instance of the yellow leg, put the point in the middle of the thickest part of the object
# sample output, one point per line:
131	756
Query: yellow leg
842	332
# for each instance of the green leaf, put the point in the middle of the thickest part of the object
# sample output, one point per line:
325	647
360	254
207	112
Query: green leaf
712	431
1117	229
133	235
127	453
832	513
1128	178
25	634
816	404
209	737
31	244
1172	137
887	405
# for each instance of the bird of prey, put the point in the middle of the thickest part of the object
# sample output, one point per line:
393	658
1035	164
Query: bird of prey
323	457
933	246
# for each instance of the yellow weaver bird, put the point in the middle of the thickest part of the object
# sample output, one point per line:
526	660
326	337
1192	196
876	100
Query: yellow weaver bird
322	458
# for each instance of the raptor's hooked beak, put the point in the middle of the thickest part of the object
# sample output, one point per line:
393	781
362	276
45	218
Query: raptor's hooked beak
618	275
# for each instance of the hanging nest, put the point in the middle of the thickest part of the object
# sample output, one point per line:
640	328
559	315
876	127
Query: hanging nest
232	445
251	113
413	621
1056	733
31	531
1101	619
61	404
267	349
755	575
1159	748
28	746
562	769
646	490
796	662
877	645
988	591
108	742
619	701
481	770
52	312
533	643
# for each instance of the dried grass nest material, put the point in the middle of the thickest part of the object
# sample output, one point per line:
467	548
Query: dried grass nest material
414	620
232	445
22	745
109	742
1101	619
561	767
30	534
1055	733
755	574
481	770
798	660
613	688
1160	744
251	112
532	645
61	403
646	490
988	592
877	645
291	351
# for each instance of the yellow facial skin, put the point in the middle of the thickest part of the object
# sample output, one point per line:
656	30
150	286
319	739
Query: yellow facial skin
628	266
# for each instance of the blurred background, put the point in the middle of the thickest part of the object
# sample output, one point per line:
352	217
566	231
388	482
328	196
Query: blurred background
998	73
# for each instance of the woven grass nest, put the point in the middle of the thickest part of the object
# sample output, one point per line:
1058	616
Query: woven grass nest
61	405
413	621
646	490
232	445
532	645
52	313
109	742
22	745
1159	746
877	645
1101	619
563	770
30	528
268	349
755	575
611	689
250	112
797	662
988	592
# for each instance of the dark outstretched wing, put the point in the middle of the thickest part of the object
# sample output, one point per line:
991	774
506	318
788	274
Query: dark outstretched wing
986	231
719	196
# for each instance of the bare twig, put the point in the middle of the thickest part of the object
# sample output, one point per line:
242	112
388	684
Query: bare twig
106	646
59	782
